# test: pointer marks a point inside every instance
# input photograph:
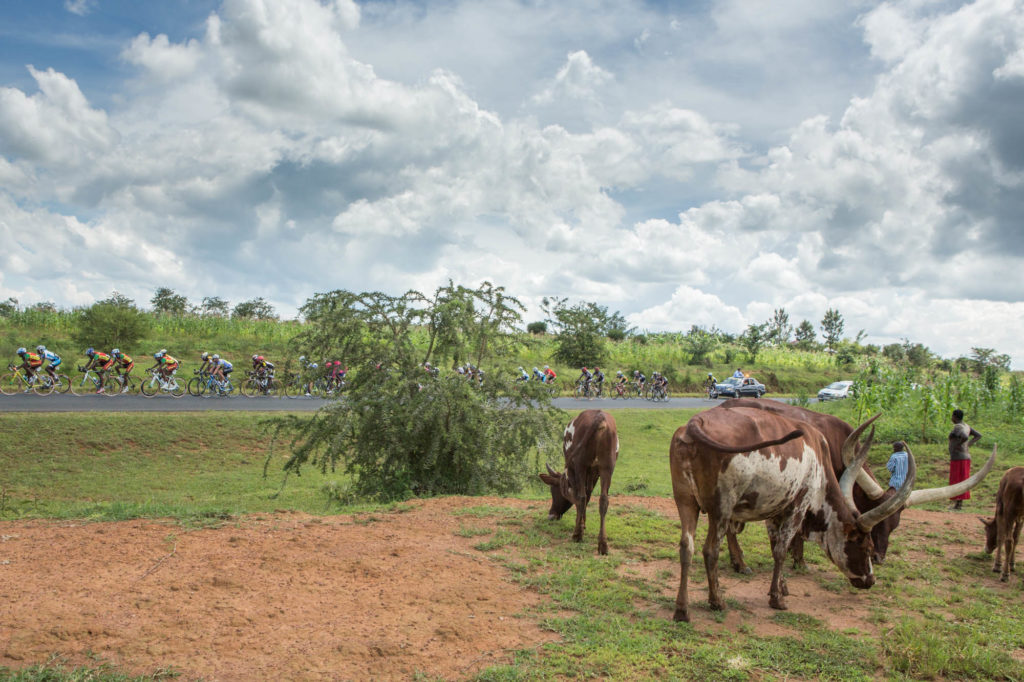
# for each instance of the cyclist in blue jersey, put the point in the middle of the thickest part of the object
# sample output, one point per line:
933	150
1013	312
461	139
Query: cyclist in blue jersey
52	358
220	368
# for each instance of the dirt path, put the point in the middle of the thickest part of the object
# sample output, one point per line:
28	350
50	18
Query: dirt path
280	597
291	596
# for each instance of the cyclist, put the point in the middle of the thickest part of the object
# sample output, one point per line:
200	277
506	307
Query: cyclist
30	362
522	376
309	369
549	375
123	365
338	374
620	379
261	366
709	383
53	359
584	378
598	380
640	379
660	382
538	375
101	362
165	365
220	369
206	362
431	370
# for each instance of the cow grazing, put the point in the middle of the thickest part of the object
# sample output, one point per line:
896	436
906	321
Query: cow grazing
590	446
867	494
742	464
1003	530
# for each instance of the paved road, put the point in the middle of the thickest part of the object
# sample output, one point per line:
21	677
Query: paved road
98	403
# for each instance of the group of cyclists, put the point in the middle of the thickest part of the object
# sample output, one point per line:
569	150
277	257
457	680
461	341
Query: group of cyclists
120	365
591	380
334	372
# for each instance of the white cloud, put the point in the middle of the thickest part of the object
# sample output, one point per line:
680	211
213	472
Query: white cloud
79	7
578	79
362	147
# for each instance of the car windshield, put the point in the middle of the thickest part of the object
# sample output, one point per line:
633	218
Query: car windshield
735	381
839	385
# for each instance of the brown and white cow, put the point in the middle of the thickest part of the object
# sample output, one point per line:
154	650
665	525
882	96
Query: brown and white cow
590	446
743	464
867	494
1003	530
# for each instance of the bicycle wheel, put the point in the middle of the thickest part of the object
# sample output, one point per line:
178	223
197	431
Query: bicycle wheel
84	385
250	388
295	389
149	386
11	383
196	386
579	392
63	384
112	385
175	387
43	385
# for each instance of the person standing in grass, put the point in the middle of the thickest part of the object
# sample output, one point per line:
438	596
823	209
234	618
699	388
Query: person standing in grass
897	464
961	438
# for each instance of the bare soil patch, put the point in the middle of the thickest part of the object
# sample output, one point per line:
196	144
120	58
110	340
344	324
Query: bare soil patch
287	596
383	595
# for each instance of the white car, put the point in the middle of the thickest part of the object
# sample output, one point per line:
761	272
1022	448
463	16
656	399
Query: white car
835	391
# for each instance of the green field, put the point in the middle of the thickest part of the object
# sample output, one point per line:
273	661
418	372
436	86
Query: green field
934	619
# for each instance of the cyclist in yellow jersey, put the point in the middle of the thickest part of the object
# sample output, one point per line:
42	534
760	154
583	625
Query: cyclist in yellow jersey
165	364
123	365
101	362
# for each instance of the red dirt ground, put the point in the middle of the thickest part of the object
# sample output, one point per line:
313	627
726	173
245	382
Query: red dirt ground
291	596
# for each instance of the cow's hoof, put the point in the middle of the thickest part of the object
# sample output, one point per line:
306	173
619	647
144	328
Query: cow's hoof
602	548
577	538
778	603
745	570
802	565
681	616
1004	578
716	605
995	569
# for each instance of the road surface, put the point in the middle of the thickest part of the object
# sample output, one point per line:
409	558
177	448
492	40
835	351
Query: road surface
98	403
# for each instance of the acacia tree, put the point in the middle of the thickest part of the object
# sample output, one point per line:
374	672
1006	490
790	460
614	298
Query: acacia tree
214	306
400	431
254	309
166	302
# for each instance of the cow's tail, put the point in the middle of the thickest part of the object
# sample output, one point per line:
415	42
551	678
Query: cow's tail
694	431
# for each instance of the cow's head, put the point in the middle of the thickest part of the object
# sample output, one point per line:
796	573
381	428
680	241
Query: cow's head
884	528
991	534
561	493
853	551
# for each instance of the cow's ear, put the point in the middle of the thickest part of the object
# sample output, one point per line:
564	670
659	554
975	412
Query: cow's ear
549	479
985	521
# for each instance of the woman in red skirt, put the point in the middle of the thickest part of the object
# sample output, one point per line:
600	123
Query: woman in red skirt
961	438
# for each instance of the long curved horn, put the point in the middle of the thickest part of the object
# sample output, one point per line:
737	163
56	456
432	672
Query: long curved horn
947	491
850	450
550	470
695	432
868	484
857	465
872	517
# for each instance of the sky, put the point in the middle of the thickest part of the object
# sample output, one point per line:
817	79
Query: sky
685	163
